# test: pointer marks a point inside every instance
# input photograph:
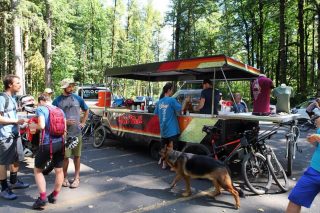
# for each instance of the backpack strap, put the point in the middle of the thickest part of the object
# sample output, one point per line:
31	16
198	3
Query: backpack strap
6	97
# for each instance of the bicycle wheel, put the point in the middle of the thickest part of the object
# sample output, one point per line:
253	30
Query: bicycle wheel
277	171
100	135
256	173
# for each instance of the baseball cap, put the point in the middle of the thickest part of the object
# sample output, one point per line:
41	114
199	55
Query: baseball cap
66	82
48	90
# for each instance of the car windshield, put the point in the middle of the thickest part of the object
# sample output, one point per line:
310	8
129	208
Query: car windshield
89	93
140	98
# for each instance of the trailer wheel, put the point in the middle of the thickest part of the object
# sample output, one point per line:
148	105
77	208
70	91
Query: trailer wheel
198	149
155	149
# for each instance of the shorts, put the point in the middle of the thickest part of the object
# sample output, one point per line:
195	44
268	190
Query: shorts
174	139
75	151
8	151
306	189
43	155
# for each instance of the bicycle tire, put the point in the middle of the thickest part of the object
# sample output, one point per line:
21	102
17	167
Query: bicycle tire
290	158
277	171
100	135
257	179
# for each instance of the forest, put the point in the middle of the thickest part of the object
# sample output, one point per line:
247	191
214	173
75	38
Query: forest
44	41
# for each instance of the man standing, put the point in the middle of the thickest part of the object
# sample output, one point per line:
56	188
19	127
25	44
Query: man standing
205	104
71	105
10	146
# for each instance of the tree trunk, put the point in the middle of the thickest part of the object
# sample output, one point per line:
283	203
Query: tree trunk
177	32
312	73
303	76
48	47
282	55
113	33
17	49
318	56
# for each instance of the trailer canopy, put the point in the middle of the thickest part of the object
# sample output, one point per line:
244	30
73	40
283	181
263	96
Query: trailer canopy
200	68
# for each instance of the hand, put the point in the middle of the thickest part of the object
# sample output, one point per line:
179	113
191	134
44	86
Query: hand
21	121
313	138
187	99
81	125
71	122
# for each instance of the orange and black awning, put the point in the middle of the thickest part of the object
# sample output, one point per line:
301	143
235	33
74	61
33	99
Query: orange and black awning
187	69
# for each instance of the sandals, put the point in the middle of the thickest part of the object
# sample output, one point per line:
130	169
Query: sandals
75	183
66	183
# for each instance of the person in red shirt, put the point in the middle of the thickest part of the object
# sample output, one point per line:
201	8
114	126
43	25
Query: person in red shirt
261	90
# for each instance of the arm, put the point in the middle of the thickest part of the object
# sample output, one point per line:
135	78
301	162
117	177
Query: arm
8	121
201	104
84	118
313	139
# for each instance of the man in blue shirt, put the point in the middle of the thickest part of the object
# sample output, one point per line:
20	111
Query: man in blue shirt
10	146
308	185
71	104
167	109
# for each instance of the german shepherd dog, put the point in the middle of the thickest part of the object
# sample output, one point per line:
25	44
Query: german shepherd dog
189	166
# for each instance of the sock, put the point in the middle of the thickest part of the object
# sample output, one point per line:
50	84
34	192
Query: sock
4	184
43	195
55	193
13	177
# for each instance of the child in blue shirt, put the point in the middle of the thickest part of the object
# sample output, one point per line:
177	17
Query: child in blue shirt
308	185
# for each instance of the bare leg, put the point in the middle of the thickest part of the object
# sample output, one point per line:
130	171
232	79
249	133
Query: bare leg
76	161
3	172
14	167
59	179
40	181
293	208
65	167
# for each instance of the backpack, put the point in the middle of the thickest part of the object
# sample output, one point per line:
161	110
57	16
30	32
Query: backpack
56	125
6	105
56	122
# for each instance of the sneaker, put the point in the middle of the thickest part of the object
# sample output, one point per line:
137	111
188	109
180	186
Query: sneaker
19	185
52	199
39	204
8	194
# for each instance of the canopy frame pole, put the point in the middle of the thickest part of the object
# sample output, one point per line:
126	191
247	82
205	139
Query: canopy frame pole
225	78
213	91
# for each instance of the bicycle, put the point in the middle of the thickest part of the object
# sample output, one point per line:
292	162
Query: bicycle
259	148
291	144
93	122
255	170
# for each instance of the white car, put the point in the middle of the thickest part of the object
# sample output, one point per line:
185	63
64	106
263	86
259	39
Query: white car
301	109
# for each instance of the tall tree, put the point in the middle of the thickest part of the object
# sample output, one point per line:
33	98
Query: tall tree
282	42
303	74
48	45
18	46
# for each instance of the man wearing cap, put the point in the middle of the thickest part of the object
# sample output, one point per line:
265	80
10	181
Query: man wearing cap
71	104
205	104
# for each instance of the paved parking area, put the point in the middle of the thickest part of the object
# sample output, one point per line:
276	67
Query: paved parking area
117	178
